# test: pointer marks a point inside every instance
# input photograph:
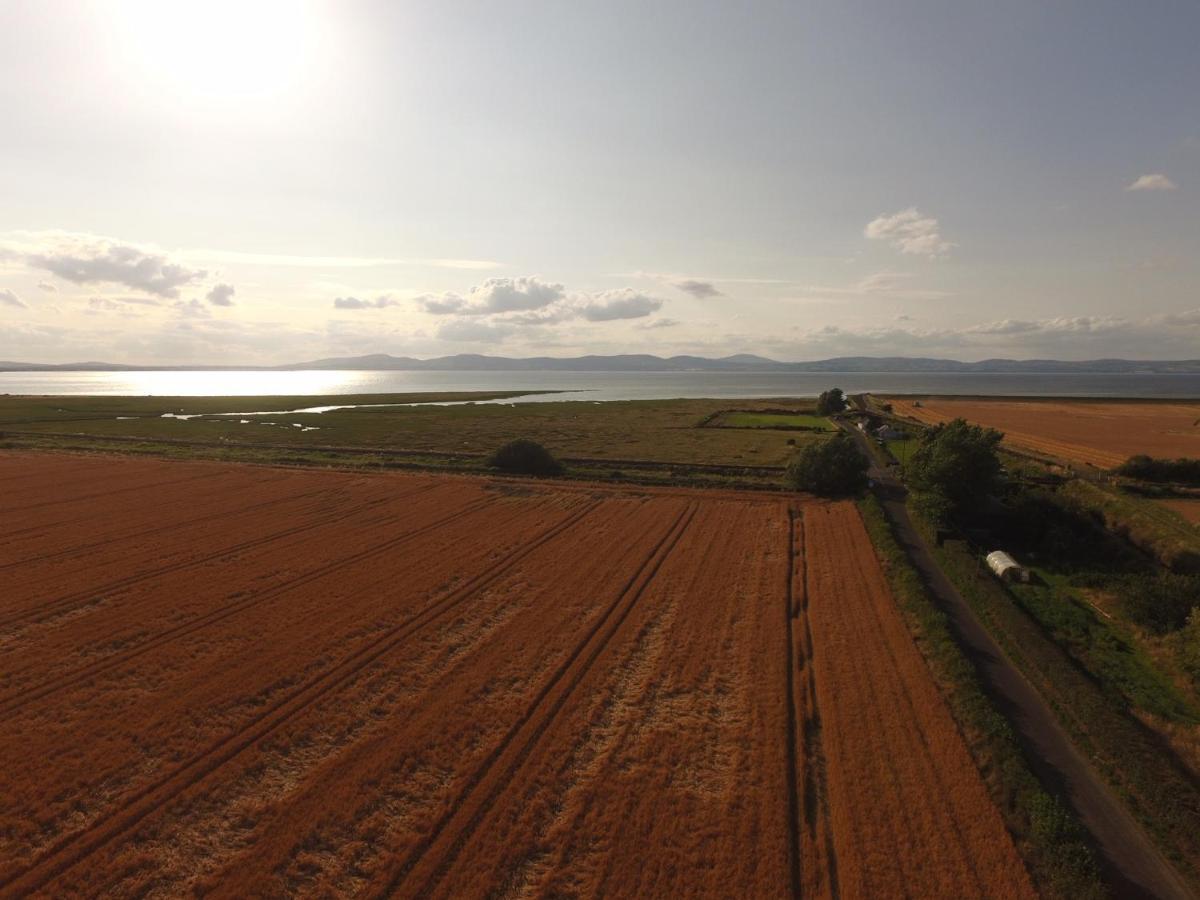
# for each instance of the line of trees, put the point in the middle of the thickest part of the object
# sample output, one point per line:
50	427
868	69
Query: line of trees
1147	468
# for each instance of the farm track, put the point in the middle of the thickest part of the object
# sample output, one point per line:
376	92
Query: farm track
73	848
453	830
485	687
30	695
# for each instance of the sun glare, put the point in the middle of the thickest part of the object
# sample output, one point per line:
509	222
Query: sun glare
219	49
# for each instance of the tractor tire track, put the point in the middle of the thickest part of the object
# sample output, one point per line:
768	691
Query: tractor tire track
67	603
72	849
609	622
69	679
101	494
795	860
175	526
817	818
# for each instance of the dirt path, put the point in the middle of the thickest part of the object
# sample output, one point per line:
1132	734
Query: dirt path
1131	864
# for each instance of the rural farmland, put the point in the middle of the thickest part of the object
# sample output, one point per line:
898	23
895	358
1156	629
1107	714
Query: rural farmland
256	681
1100	433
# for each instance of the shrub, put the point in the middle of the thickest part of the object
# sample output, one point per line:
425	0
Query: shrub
830	468
525	457
1161	603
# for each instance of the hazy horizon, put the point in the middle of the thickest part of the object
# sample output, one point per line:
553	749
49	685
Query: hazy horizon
273	182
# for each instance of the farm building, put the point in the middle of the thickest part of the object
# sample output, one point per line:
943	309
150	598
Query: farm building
1005	567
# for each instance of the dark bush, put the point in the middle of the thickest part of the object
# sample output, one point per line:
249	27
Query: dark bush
831	468
1147	468
1161	603
831	401
525	457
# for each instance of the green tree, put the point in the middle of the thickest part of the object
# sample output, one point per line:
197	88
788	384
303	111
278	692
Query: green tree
954	469
831	401
525	457
831	468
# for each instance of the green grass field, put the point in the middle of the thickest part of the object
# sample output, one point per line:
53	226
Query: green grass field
656	433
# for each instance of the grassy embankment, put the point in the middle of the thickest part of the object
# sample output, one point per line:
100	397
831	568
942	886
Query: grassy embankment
639	441
1048	836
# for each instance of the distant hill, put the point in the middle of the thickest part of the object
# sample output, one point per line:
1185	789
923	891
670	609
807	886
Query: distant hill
742	362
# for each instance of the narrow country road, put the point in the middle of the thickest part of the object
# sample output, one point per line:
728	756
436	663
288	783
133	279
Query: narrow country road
1131	864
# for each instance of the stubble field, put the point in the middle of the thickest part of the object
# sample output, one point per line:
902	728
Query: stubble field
251	681
1090	432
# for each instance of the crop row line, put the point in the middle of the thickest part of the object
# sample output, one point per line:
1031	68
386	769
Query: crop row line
64	604
72	849
101	494
482	791
160	529
68	679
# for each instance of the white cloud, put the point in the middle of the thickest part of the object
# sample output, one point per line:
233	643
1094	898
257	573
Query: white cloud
447	304
1189	318
1059	325
379	302
1156	181
910	232
9	298
619	304
48	286
87	259
701	290
497	295
221	295
655	324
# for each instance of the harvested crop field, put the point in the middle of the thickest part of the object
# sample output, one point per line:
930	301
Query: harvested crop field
1188	508
1098	433
253	681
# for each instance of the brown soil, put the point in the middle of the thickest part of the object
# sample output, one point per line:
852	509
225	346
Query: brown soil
252	681
1102	434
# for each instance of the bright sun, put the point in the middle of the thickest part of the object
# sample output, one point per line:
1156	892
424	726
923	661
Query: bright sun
219	49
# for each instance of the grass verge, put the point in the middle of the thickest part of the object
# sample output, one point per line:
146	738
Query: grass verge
1135	761
1050	839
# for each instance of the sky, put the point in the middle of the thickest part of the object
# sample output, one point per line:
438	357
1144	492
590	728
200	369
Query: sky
268	181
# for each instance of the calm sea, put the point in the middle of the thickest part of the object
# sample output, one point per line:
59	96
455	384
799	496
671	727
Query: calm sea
591	385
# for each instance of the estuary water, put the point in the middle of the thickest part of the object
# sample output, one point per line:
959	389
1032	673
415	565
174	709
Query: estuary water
592	386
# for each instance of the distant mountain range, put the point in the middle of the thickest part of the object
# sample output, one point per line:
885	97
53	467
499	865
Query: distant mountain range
742	362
